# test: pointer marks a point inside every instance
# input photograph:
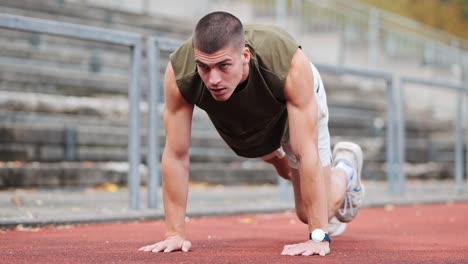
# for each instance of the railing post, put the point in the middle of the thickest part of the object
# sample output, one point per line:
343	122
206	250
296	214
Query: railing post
152	159
459	143
390	143
70	144
464	68
134	124
401	144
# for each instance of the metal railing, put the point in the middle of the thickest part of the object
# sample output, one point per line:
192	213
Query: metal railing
462	91
391	128
128	39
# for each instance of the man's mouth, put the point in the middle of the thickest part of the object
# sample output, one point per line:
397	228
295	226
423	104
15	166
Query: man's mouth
217	91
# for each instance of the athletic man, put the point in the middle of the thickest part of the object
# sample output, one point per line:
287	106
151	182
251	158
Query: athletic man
267	101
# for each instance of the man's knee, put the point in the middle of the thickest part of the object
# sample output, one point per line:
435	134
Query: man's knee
282	166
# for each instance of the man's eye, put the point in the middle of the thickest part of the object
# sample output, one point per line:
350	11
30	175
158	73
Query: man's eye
223	66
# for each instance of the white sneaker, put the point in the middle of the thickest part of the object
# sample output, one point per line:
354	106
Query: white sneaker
351	154
335	227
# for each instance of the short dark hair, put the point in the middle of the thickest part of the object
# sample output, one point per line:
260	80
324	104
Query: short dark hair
218	30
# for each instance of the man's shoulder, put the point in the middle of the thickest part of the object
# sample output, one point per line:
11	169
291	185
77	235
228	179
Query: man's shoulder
266	28
259	32
182	60
272	48
270	39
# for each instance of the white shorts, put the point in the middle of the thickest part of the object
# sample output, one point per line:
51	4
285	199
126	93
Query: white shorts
323	133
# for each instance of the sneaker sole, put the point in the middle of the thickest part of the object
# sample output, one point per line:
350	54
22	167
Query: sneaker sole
340	230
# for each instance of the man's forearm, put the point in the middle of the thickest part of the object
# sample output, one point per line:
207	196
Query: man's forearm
313	193
175	190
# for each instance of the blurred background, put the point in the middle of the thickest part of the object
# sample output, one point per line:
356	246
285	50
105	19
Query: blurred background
64	102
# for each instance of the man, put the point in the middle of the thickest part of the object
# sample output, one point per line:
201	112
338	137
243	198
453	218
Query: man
267	101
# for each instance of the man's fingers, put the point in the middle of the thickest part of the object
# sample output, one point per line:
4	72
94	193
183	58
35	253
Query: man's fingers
306	249
159	247
293	251
145	248
186	246
149	247
285	249
168	245
308	253
324	251
171	247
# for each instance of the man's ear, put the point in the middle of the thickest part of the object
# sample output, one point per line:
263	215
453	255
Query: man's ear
246	56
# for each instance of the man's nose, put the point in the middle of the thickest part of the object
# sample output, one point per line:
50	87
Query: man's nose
215	78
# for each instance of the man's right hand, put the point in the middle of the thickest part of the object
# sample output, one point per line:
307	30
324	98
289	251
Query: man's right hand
175	243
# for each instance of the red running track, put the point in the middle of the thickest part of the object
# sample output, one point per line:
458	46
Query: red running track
411	234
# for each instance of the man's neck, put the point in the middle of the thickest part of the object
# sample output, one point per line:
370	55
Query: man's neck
244	80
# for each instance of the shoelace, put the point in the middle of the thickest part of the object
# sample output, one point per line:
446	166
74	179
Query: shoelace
349	198
348	202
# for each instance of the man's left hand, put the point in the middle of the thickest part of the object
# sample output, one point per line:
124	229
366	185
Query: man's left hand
307	248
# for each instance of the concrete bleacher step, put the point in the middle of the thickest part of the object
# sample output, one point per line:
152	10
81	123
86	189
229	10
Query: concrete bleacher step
113	107
54	51
49	77
34	174
35	143
70	80
235	173
82	13
46	119
424	170
83	174
64	55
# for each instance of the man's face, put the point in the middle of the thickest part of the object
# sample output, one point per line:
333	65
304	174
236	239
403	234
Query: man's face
223	70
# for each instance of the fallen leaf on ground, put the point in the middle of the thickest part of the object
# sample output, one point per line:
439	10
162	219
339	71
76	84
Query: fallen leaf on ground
389	207
22	228
17	200
107	187
247	220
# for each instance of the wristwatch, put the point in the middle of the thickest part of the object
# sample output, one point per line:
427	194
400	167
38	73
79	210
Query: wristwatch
318	235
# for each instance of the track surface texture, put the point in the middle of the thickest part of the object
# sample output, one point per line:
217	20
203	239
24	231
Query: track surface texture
435	233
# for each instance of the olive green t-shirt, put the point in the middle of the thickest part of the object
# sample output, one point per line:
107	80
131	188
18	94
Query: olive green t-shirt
252	121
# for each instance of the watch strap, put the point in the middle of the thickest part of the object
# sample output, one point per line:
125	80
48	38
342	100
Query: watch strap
326	238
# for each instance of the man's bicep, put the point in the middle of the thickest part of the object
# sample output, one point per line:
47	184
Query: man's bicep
301	105
303	133
177	116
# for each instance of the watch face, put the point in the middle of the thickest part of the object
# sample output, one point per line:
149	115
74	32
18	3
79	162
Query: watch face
318	235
